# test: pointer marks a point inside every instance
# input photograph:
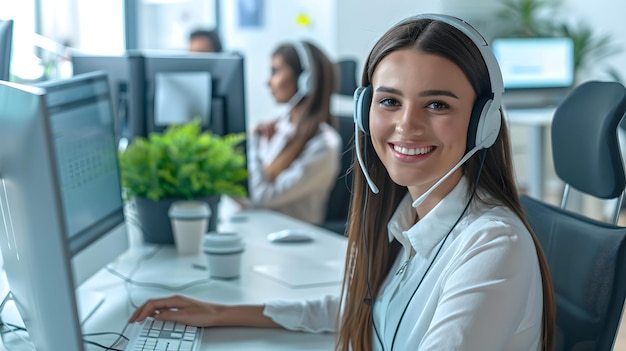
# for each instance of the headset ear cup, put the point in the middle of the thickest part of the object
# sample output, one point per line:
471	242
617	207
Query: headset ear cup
478	111
484	125
305	78
489	127
305	83
362	103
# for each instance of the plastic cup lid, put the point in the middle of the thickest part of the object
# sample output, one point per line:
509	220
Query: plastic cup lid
189	209
216	242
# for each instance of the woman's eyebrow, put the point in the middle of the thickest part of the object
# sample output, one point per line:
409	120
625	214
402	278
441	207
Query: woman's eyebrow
438	92
384	89
425	93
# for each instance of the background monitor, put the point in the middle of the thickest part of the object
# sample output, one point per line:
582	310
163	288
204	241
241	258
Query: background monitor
535	62
6	39
182	96
60	200
126	81
223	71
543	66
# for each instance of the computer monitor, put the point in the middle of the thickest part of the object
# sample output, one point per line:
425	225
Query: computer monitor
530	63
219	76
61	207
126	81
538	69
6	39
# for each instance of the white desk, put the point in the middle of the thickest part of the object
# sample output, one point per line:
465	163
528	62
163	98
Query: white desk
251	288
537	121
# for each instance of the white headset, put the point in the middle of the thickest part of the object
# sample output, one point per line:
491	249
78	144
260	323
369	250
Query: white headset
485	120
305	79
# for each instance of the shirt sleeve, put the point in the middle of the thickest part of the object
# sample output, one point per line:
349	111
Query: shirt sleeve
477	309
312	316
314	169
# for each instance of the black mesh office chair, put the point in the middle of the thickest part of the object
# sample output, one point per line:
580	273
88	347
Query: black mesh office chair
339	201
587	257
346	71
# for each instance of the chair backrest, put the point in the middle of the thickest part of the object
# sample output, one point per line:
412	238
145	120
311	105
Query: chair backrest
338	204
585	147
347	77
586	257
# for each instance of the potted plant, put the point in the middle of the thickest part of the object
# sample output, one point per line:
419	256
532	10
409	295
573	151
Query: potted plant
182	163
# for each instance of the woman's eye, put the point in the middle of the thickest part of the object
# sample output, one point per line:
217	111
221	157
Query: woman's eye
437	105
389	102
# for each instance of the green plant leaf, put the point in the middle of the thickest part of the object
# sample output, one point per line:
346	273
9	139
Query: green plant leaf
184	162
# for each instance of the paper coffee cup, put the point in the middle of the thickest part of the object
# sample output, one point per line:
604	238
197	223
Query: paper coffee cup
223	252
190	220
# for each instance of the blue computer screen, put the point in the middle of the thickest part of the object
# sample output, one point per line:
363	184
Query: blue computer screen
531	63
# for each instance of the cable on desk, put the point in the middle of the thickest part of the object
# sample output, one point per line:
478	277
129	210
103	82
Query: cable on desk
11	328
157	285
121	335
129	279
101	346
14	329
112	347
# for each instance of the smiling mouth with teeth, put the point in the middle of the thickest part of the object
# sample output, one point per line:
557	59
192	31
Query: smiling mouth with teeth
413	151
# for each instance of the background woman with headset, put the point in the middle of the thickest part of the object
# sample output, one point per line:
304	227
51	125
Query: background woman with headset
441	256
294	161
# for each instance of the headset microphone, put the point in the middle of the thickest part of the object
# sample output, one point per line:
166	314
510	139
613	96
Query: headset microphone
432	188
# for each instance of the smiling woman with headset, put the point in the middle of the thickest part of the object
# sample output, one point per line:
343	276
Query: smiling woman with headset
293	161
441	256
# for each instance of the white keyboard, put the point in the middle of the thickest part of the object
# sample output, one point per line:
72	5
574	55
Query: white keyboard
153	335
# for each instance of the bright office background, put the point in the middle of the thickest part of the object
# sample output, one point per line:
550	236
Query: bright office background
342	28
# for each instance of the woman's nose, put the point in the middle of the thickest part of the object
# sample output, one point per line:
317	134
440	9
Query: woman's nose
410	122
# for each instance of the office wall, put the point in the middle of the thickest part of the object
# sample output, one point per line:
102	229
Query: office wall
362	22
92	26
166	25
606	17
278	24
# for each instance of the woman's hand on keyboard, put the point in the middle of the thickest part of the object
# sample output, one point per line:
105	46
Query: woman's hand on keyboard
202	314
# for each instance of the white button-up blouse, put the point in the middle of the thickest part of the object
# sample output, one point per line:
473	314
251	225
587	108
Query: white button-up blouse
475	285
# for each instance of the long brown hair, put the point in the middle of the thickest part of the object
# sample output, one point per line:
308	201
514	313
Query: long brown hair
315	106
372	255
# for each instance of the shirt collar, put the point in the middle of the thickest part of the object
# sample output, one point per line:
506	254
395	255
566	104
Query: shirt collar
421	237
284	124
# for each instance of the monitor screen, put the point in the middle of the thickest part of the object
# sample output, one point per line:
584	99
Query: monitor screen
182	96
534	63
61	203
223	71
6	39
126	81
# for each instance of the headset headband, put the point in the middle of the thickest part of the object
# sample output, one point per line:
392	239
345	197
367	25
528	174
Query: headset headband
495	75
303	55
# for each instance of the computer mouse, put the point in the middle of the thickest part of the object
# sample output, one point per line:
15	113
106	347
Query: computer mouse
290	236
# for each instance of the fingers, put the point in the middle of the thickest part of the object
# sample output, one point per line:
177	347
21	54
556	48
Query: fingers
180	316
157	306
266	129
